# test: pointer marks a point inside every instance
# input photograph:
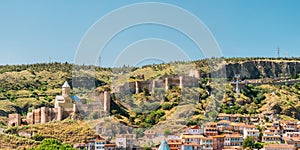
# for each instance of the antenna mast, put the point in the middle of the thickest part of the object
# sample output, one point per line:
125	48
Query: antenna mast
99	61
278	52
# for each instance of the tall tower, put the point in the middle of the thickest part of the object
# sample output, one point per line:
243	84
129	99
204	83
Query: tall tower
106	102
237	77
166	84
66	89
180	82
136	87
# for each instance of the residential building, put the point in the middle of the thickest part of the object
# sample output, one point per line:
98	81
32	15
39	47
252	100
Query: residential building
238	127
191	138
222	116
193	130
274	129
251	131
233	140
125	141
95	143
292	141
99	144
206	143
110	146
218	142
224	125
291	134
175	144
279	147
190	146
270	137
149	134
288	126
210	129
234	117
81	146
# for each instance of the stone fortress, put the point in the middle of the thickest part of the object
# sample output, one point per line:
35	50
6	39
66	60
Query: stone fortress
68	106
99	106
65	106
165	82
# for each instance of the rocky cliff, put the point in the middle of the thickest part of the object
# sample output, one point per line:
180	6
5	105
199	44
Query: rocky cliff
255	69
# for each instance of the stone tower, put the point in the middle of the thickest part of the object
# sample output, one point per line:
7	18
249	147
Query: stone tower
44	114
195	73
180	82
106	100
136	87
166	84
14	120
66	91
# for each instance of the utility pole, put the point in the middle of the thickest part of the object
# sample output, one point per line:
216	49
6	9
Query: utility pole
99	60
237	80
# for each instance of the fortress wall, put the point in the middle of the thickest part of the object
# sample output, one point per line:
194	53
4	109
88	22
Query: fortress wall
44	114
171	80
37	115
30	118
190	82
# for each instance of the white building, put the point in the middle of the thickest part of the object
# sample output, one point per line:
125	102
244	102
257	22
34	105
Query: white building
251	131
100	144
271	137
233	140
193	130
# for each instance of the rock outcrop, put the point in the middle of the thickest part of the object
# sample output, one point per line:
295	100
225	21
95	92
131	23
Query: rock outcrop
256	69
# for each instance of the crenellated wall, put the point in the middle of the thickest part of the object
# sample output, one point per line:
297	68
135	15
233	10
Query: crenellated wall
44	115
164	82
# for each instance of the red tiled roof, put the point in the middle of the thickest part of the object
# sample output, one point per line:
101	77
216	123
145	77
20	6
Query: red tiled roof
233	135
194	127
192	144
174	142
279	146
224	121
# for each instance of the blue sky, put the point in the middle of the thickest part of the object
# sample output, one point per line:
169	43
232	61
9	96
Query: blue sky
35	31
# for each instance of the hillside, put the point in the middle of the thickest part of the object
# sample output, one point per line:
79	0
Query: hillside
263	68
25	87
67	131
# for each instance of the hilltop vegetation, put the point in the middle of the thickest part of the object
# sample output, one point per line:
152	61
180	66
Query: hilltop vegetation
25	87
67	132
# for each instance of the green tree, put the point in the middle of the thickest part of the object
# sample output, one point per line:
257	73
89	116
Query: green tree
38	137
53	144
167	132
139	132
147	148
258	145
249	142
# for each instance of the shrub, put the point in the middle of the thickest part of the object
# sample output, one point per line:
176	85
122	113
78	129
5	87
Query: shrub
38	137
167	106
